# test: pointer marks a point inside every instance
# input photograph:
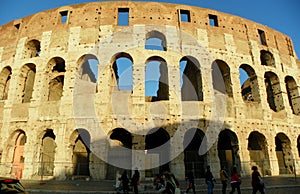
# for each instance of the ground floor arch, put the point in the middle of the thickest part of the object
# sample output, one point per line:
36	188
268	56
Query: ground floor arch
192	160
80	141
157	147
284	154
47	154
228	150
258	152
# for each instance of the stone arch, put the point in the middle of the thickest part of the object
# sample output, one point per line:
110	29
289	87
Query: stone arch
258	151
47	154
80	142
120	150
156	79
56	67
225	71
267	58
122	67
32	49
192	160
16	152
26	82
191	79
274	92
5	77
284	154
293	94
157	147
156	40
250	88
88	68
228	148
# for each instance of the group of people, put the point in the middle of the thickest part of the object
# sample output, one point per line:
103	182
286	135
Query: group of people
166	183
124	182
235	181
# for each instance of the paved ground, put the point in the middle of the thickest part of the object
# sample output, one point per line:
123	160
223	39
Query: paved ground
274	185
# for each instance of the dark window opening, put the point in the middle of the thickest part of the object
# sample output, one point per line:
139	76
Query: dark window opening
262	37
213	20
185	16
17	26
64	16
123	16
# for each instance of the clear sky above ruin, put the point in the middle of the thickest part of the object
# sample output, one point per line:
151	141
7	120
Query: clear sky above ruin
281	15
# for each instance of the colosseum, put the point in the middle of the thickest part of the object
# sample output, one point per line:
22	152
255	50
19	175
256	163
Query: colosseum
90	89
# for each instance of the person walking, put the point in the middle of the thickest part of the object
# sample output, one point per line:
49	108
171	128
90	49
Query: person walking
235	181
209	180
257	182
223	177
191	182
125	182
135	181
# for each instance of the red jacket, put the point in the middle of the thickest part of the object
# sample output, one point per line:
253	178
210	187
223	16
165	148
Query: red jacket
235	178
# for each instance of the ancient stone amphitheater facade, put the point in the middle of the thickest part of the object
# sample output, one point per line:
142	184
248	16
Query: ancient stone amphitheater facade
75	87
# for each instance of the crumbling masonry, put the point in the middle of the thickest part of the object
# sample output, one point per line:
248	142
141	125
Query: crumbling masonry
42	56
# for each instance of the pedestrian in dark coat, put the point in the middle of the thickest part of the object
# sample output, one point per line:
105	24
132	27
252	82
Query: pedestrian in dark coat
135	181
125	182
257	182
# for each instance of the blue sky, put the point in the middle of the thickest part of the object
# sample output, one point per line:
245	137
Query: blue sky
281	15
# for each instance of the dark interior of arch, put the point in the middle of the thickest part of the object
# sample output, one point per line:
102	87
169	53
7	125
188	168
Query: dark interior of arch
228	148
123	136
221	77
154	139
192	160
284	154
191	89
267	58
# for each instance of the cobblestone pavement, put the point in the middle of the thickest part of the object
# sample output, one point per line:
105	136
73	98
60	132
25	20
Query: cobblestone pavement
274	185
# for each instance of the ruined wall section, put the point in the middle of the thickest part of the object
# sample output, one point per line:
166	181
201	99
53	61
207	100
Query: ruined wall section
233	39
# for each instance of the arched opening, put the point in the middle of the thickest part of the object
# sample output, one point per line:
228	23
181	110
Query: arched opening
190	79
156	40
273	92
228	148
122	67
56	78
258	151
120	150
47	155
156	80
18	156
225	71
88	68
27	78
81	153
5	76
158	149
249	84
284	154
267	58
192	160
32	49
293	94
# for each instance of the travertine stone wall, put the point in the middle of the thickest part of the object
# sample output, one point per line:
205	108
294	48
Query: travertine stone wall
42	53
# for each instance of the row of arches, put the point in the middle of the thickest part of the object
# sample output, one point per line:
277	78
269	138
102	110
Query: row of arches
156	80
47	148
228	149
